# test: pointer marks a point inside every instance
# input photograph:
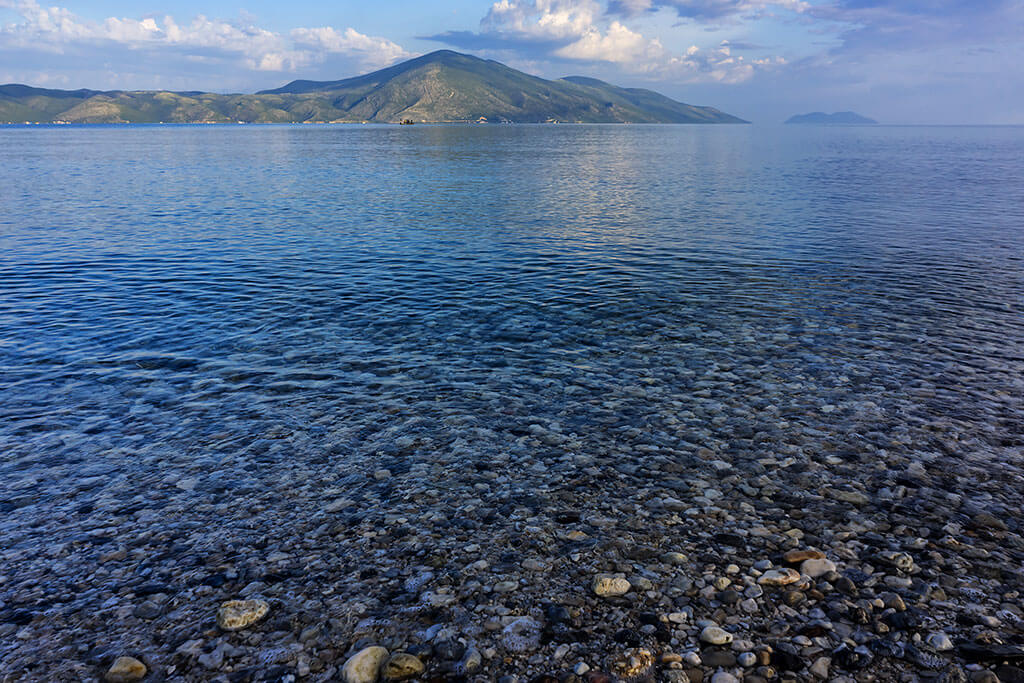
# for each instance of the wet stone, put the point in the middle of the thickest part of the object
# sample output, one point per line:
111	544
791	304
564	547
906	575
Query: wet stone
364	666
235	615
402	666
606	585
125	670
779	577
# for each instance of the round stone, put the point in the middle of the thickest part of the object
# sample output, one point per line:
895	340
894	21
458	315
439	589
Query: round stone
715	636
816	568
746	659
364	666
234	615
125	670
939	642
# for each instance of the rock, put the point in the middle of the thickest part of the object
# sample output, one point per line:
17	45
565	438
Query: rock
779	577
984	520
1010	674
984	676
801	556
125	670
471	662
632	664
714	635
606	585
148	610
939	642
718	658
234	615
978	652
364	666
724	677
402	666
747	659
816	568
522	634
852	497
820	667
506	586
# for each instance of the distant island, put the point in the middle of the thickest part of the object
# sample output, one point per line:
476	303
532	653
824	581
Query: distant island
441	87
840	118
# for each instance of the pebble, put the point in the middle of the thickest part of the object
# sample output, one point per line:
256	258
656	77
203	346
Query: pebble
402	666
801	556
715	635
724	677
606	585
820	667
816	568
364	666
235	615
940	642
125	670
779	577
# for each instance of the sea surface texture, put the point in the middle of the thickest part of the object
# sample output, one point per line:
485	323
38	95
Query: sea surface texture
389	378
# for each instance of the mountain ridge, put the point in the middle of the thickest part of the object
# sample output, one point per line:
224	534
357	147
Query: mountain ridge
439	87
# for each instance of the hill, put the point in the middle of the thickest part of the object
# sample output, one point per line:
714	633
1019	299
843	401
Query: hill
443	86
840	118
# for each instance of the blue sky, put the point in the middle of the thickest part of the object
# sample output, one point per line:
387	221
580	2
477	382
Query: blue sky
900	61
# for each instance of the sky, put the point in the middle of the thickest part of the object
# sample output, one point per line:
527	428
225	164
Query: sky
898	61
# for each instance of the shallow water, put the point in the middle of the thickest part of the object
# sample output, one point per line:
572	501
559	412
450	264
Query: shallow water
399	379
170	291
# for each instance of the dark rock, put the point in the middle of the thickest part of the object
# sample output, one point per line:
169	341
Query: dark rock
451	650
784	659
556	614
851	659
19	617
716	658
977	652
628	637
902	621
1010	674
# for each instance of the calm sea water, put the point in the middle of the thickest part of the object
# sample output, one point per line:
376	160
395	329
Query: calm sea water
241	295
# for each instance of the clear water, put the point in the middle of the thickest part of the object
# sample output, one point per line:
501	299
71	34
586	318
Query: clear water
251	299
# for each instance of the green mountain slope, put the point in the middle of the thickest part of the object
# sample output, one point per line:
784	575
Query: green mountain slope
442	86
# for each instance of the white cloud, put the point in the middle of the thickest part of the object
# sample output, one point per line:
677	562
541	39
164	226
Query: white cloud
618	44
56	29
579	30
375	52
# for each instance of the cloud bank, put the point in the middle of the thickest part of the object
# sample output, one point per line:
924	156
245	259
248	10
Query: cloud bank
169	44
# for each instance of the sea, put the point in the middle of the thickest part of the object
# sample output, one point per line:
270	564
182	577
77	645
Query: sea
174	289
432	384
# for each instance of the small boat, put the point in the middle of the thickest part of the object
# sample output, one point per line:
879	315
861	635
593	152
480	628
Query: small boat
407	122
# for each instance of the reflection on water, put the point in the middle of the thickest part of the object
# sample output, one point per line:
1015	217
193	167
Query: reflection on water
273	293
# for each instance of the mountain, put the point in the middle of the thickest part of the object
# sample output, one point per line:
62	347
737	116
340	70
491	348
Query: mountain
443	86
840	118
